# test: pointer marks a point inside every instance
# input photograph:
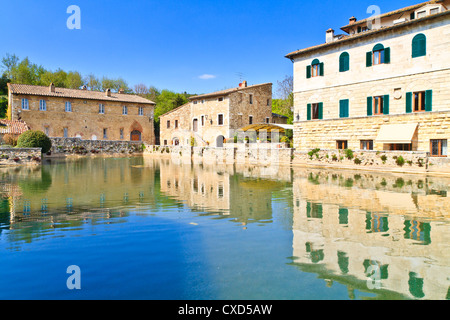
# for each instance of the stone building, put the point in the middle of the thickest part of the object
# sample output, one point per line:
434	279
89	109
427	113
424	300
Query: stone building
383	85
214	117
85	114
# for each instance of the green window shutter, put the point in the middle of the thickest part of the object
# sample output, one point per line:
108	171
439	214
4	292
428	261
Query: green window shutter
419	46
321	69
343	108
429	100
344	62
369	59
387	55
308	117
386	104
308	72
321	110
369	106
409	102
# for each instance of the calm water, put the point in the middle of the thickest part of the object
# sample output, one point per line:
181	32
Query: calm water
150	229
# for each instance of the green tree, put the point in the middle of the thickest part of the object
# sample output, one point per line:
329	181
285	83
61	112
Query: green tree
58	78
9	61
74	80
26	73
167	101
93	83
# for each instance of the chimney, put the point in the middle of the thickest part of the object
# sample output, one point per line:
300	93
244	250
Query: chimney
84	87
52	87
108	92
352	20
243	84
121	91
330	35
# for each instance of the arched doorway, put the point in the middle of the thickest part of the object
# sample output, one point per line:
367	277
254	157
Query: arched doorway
135	135
219	141
176	142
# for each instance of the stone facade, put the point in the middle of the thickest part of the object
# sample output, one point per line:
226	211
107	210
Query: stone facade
213	117
20	156
85	120
396	80
76	146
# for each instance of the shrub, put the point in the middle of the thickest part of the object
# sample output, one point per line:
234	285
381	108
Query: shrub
334	157
34	139
358	161
400	161
349	154
314	152
384	158
10	140
192	142
285	139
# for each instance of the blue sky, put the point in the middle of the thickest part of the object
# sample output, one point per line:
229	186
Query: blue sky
194	46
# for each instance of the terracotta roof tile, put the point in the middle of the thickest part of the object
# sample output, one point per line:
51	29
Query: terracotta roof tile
76	94
226	92
15	127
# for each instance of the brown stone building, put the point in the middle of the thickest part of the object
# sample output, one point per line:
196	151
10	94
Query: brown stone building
89	115
211	118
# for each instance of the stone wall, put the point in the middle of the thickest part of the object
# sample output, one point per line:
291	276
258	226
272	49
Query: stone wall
76	146
16	156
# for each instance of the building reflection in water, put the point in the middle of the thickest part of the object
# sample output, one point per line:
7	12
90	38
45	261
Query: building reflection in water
377	233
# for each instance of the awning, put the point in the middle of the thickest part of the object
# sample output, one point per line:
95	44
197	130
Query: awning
397	133
267	127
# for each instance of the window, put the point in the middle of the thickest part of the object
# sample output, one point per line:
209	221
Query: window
165	142
400	147
251	99
342	144
25	104
168	124
176	124
195	102
47	131
421	14
434	11
366	144
315	111
419	46
141	111
268	102
344	62
438	148
124	110
378	105
316	69
421	101
267	120
220	119
203	101
42	105
203	120
68	106
105	133
378	55
121	134
101	108
220	99
66	134
250	120
195	125
344	109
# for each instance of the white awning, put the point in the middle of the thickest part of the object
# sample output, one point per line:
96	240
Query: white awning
397	133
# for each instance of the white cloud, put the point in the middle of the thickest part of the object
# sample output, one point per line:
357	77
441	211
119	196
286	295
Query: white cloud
207	76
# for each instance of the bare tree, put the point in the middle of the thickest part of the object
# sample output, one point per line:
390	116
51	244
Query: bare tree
141	89
285	88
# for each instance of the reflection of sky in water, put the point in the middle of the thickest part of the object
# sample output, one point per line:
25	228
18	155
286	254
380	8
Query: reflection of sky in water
141	228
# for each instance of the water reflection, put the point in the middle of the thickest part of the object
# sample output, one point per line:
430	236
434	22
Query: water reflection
375	233
384	234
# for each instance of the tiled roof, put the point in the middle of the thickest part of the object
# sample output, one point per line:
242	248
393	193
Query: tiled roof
278	115
76	94
13	127
364	34
227	91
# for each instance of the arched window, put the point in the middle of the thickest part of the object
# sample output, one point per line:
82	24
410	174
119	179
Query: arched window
316	69
419	46
344	62
378	55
